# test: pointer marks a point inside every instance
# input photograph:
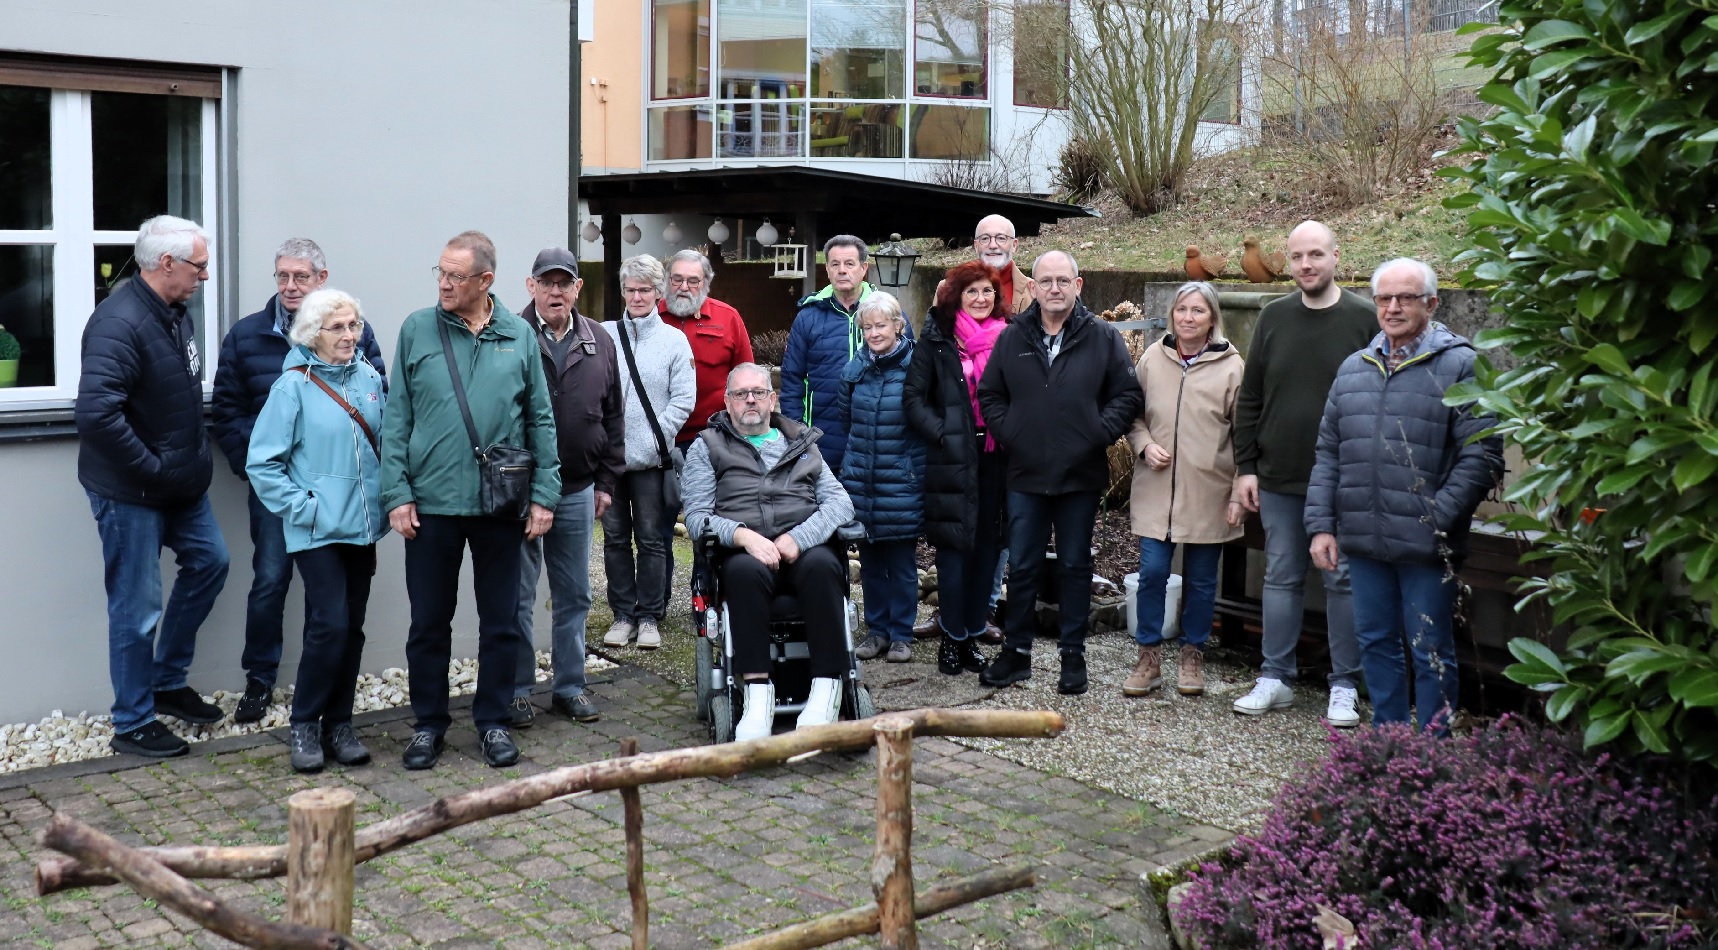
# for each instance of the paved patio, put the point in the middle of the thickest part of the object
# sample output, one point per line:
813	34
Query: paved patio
725	858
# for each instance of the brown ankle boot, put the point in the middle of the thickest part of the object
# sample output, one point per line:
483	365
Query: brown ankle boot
1191	679
1147	672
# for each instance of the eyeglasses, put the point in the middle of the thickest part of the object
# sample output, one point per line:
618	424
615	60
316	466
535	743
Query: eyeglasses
992	238
282	278
564	286
1054	281
450	276
1385	300
688	282
341	329
985	291
637	291
748	395
198	266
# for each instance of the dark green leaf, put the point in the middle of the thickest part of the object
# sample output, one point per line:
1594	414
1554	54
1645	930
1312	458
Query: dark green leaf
1695	468
1610	359
1551	32
1601	731
1650	734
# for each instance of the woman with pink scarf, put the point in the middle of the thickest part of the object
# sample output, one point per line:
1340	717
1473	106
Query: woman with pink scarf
964	484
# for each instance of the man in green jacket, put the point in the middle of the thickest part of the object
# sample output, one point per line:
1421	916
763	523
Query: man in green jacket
430	490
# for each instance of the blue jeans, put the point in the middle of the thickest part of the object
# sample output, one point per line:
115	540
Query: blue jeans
271	575
889	575
1198	590
637	588
1418	600
1288	555
567	549
149	650
1031	519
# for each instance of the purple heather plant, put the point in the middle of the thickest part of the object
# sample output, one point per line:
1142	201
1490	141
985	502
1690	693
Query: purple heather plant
1510	837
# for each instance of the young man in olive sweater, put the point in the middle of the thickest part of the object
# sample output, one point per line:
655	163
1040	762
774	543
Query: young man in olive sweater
1297	347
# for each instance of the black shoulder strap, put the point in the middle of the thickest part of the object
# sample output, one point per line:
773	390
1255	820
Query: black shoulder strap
643	397
458	387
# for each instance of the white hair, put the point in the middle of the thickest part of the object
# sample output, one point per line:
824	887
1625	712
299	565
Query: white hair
691	255
302	249
643	269
1428	277
318	307
165	234
745	368
884	303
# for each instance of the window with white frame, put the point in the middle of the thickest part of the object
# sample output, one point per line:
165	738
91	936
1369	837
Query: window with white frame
88	151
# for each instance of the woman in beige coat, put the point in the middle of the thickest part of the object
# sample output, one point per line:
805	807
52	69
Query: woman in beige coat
1184	480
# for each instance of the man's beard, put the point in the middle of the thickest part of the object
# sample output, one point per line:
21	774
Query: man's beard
681	305
1006	259
1318	288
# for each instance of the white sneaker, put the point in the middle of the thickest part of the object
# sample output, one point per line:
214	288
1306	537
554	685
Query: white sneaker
823	706
1342	713
618	635
759	716
1268	693
649	635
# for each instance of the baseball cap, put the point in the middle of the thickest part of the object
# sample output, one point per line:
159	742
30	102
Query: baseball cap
554	258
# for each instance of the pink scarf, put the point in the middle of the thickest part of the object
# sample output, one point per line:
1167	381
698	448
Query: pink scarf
974	340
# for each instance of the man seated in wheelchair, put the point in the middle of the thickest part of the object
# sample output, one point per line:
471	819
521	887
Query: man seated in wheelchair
756	481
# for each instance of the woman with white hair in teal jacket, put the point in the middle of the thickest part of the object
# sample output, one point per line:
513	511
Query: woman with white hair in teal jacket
314	461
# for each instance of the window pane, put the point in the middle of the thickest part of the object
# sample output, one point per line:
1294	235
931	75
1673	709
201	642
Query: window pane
115	264
148	156
763	49
855	130
679	132
25	201
754	129
858	48
953	132
1041	57
680	54
949	48
1225	105
27	308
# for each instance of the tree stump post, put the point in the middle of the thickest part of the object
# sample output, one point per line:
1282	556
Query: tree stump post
319	858
892	863
632	813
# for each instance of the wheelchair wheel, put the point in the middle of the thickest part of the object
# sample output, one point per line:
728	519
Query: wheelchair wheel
862	706
721	719
701	667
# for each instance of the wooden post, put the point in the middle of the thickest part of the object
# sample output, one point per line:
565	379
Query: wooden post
863	920
319	858
633	813
892	864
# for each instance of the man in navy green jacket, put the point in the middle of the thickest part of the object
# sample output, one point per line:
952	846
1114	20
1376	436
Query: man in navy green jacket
430	489
824	339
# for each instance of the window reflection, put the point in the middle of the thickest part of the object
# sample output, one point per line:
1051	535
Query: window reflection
856	130
858	48
1042	34
949	49
148	158
679	132
680	46
25	201
763	49
27	308
951	132
760	129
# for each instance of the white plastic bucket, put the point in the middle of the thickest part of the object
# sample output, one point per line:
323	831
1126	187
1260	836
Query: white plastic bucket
1171	605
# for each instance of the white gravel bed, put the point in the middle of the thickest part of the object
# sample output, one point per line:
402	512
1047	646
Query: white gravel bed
1190	755
61	738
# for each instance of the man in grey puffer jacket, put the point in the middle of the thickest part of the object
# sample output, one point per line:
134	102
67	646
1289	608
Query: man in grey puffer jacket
1396	482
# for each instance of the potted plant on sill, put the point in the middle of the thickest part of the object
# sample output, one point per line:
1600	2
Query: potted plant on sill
9	353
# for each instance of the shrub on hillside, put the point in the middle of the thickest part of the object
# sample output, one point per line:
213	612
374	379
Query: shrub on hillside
769	347
1511	837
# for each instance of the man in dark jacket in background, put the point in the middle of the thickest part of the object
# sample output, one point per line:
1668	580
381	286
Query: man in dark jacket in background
590	430
1398	477
251	358
1058	391
144	461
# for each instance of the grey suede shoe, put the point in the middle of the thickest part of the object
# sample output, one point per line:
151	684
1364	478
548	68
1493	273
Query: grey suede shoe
307	747
343	745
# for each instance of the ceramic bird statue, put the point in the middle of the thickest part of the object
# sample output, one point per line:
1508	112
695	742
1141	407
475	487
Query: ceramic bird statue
1336	930
1204	266
1262	268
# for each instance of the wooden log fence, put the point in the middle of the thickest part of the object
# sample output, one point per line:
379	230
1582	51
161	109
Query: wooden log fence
323	847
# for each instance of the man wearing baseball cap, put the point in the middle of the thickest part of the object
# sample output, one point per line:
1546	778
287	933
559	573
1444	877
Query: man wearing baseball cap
590	425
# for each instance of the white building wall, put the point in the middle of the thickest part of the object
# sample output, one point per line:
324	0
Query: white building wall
380	129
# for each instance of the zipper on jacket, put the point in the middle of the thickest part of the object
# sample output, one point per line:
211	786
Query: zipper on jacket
1175	454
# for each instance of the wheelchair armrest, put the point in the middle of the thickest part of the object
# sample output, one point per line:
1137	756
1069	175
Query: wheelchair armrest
851	531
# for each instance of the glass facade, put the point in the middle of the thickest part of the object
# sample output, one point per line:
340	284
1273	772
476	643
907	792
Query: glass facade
818	78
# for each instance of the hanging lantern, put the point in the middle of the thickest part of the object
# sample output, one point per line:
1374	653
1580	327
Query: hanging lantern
631	234
671	234
718	233
591	233
767	235
895	263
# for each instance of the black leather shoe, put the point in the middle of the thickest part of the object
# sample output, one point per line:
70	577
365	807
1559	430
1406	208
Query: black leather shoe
520	713
498	748
342	745
1073	679
307	747
185	705
1011	667
580	708
254	704
151	739
423	751
971	660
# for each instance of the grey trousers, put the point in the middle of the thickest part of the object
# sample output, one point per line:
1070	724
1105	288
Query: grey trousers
1287	558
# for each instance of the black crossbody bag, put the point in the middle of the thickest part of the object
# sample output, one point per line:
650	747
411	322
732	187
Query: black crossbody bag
503	471
672	459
